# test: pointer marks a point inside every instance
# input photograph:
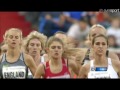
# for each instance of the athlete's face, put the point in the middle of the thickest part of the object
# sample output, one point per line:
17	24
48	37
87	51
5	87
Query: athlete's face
34	47
13	40
100	46
55	50
96	31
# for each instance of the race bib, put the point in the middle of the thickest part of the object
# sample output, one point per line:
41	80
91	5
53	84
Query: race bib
99	75
14	72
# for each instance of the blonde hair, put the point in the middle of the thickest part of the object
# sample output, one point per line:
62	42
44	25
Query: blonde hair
34	34
77	52
99	26
12	29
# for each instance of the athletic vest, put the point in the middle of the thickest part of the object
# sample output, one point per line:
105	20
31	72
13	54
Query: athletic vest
63	74
15	70
108	73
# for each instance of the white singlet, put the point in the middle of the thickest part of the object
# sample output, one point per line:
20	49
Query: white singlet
110	73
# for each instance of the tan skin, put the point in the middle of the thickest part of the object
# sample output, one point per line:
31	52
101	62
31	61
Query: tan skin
4	48
55	60
78	57
64	38
78	60
100	60
70	43
61	36
34	49
13	40
94	32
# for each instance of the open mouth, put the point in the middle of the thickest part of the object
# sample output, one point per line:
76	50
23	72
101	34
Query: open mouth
56	54
34	51
100	50
13	43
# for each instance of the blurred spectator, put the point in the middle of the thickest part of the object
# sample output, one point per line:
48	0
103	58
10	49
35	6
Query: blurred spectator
79	30
88	16
114	29
47	22
32	17
93	20
54	15
73	16
106	20
52	22
112	42
100	16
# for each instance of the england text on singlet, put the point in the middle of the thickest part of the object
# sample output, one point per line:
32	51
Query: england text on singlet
15	70
63	74
109	73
